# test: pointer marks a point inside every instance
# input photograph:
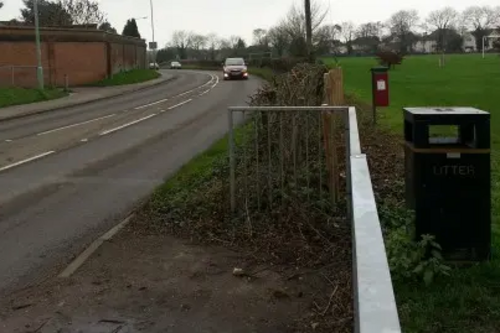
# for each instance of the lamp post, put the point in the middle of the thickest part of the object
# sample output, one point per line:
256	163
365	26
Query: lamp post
153	31
39	69
308	29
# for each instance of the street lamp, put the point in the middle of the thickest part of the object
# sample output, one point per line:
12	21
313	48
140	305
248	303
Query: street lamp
39	69
153	44
308	29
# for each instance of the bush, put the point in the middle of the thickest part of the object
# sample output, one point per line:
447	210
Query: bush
205	64
389	58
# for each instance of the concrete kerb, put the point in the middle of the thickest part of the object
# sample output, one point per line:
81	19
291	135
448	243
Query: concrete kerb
50	109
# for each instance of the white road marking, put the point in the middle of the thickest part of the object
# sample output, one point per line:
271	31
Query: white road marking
77	124
187	92
8	140
151	104
13	165
127	125
216	82
80	260
84	140
212	78
203	93
181	103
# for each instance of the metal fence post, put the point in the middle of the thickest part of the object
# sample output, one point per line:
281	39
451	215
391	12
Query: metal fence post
232	177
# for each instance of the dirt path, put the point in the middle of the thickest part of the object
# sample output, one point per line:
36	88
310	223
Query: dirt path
153	283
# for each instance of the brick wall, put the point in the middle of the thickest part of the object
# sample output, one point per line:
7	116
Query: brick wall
84	56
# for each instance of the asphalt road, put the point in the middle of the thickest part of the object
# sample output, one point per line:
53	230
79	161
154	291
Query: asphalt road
68	176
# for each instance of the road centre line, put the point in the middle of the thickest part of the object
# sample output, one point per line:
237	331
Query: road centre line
77	124
151	104
126	125
179	95
179	104
30	159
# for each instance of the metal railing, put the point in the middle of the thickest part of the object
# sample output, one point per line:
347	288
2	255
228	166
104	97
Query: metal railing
374	301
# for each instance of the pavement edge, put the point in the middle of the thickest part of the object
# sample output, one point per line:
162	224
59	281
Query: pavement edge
93	247
170	79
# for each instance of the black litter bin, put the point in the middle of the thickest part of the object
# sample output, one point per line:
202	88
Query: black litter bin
448	182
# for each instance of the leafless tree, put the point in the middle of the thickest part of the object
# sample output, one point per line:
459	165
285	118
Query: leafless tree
326	36
198	42
371	29
445	18
233	41
402	24
442	20
295	21
214	44
260	37
279	39
182	40
481	19
83	11
348	33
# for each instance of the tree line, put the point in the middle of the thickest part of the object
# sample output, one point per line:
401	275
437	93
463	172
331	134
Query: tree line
64	13
446	27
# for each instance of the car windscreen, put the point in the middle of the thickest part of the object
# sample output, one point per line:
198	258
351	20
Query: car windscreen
235	62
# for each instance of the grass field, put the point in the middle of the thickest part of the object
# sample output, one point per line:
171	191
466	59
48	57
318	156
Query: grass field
16	96
129	77
469	300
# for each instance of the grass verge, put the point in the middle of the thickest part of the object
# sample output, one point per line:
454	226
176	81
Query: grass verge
128	77
17	96
290	229
468	300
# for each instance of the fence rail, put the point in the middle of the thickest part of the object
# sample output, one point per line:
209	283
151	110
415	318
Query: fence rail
374	301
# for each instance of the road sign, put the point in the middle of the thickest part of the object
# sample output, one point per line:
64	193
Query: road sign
153	45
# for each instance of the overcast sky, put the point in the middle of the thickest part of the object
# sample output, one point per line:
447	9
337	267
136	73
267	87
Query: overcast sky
240	17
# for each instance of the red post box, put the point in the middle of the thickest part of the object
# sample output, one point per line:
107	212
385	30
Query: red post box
380	88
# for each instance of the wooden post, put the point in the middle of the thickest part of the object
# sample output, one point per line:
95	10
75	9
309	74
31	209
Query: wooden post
334	96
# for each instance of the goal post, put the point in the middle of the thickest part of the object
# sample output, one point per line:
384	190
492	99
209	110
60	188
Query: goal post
484	42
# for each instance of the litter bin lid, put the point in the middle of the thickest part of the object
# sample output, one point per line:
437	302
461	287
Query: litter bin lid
445	110
379	69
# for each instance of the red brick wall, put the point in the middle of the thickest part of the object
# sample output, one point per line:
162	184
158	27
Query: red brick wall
126	57
82	61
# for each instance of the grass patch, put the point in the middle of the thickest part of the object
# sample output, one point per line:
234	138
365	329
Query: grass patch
17	96
128	77
468	300
289	228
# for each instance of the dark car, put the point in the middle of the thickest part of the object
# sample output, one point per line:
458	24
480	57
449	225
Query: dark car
235	68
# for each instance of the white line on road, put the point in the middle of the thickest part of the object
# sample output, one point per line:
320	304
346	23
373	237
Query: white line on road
216	82
181	103
151	104
84	140
10	166
127	124
80	260
203	93
77	124
8	140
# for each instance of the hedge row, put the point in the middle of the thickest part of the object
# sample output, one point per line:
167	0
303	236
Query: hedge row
280	65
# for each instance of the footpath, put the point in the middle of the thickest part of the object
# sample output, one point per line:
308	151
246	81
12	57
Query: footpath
79	96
